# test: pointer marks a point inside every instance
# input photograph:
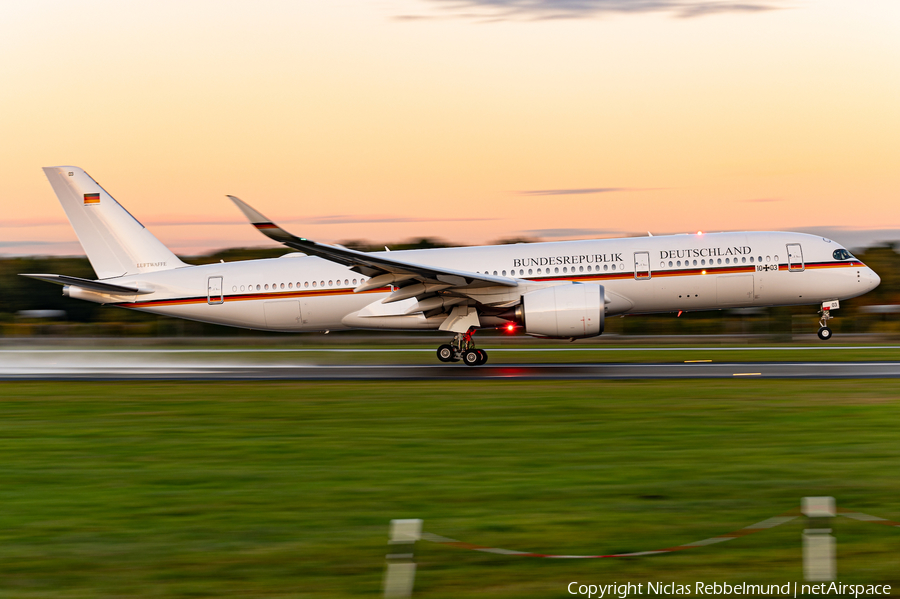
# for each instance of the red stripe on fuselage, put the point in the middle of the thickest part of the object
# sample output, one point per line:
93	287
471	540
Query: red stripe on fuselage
621	275
241	297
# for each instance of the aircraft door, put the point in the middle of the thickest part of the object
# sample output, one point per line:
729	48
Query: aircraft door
214	291
642	265
795	257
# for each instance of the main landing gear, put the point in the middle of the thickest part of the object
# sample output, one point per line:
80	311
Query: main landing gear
825	315
462	348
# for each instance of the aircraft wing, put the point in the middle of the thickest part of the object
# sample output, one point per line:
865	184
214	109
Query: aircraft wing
381	269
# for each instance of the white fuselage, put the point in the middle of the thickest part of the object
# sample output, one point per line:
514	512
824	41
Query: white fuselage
639	275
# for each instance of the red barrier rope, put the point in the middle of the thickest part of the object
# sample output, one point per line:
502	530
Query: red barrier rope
743	532
866	517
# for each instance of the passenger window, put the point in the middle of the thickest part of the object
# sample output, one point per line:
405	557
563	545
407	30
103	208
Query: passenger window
606	266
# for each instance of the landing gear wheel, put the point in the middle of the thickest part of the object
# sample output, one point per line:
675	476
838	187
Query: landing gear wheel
825	315
461	348
472	357
445	353
484	356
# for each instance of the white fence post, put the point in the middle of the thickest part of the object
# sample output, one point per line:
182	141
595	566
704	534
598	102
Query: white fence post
818	544
401	567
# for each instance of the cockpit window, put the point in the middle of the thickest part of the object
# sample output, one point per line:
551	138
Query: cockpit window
842	255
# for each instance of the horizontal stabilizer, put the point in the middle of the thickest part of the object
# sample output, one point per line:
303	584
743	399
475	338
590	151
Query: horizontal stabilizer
98	286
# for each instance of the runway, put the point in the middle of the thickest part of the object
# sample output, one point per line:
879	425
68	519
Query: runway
135	366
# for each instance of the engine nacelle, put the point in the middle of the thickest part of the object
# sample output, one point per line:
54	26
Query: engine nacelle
569	311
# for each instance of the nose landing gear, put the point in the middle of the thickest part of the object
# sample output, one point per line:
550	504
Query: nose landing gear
462	348
825	315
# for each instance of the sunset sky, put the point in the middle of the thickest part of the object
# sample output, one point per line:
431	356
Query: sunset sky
469	120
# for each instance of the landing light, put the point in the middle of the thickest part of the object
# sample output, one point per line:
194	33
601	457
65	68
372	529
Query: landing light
699	232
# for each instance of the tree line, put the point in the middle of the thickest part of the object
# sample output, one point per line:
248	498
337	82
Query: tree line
20	294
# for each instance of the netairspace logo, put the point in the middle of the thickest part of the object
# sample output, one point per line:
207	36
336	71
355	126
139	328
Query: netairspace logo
626	589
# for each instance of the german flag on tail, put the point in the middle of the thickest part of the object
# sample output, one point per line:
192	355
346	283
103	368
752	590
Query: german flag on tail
91	199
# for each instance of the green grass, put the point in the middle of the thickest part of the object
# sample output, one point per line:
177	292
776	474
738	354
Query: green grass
286	489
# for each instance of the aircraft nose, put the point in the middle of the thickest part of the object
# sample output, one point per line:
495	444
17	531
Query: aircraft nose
873	279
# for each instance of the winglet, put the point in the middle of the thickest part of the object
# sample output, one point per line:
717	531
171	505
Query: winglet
370	265
263	224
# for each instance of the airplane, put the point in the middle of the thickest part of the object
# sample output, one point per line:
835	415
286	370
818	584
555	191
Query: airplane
562	289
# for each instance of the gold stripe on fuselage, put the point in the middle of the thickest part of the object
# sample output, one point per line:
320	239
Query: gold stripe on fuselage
617	276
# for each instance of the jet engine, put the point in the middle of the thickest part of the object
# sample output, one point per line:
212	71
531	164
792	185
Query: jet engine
569	311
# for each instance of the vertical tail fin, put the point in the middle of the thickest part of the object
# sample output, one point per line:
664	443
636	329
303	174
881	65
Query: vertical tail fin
114	241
